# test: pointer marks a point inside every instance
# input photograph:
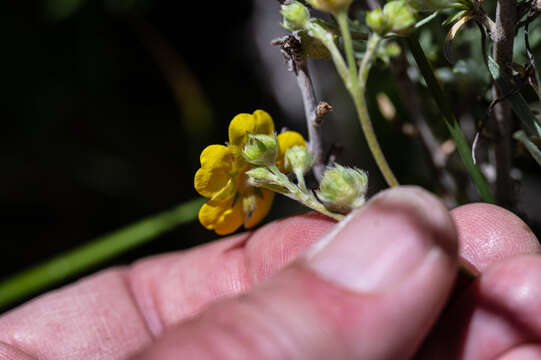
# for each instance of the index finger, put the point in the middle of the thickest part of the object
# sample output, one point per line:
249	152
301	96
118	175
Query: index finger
116	312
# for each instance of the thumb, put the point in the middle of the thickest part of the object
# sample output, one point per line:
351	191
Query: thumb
370	289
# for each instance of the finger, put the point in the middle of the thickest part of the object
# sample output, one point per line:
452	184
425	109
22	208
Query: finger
371	289
489	233
523	352
490	238
172	287
495	316
506	313
116	312
8	352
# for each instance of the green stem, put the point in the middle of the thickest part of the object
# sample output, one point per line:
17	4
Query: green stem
356	87
449	118
342	18
359	98
327	39
300	180
67	265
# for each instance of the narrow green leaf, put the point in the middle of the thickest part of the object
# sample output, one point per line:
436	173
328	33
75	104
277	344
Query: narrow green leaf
451	19
71	263
530	146
520	107
462	145
427	19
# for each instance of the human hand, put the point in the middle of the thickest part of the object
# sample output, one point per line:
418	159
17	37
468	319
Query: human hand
370	289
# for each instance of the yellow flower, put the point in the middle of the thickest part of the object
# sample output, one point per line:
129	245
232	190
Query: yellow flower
221	178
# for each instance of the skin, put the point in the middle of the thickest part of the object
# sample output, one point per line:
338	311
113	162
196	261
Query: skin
279	292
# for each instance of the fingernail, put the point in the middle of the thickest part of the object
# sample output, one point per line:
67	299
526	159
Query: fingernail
386	241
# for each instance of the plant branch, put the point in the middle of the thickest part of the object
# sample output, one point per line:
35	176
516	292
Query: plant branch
358	93
292	50
305	197
343	20
356	86
327	39
506	17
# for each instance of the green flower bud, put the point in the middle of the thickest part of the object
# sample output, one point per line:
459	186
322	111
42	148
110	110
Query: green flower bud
397	17
400	16
332	6
343	189
296	15
298	159
260	149
376	21
260	176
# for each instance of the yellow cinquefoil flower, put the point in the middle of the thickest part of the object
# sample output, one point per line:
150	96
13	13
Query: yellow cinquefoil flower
221	178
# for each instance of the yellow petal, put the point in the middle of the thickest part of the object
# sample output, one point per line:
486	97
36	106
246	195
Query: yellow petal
223	218
226	193
259	122
263	123
263	201
216	164
287	140
239	127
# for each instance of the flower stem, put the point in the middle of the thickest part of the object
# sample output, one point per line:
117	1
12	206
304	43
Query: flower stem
357	89
304	197
342	18
327	39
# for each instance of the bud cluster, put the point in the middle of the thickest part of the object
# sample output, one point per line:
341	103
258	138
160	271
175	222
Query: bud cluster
396	17
343	189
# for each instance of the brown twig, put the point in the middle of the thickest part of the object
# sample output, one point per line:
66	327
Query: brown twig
292	50
503	36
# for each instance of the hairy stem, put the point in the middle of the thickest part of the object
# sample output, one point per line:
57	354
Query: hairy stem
327	39
358	94
342	18
305	197
356	86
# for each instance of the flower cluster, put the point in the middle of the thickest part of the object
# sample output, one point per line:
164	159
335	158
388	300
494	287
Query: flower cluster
222	177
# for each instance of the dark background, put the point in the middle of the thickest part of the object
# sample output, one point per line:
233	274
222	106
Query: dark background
93	136
106	106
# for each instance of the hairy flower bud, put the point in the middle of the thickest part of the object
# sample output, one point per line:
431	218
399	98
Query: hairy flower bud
343	189
298	159
400	16
260	149
332	6
397	17
376	21
296	15
260	176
